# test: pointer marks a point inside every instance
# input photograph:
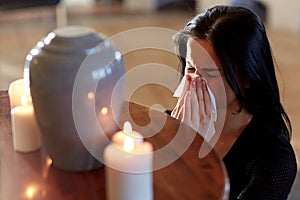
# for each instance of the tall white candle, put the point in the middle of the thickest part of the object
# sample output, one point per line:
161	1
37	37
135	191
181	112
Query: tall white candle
129	166
26	134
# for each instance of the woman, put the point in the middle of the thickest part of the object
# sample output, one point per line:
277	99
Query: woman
255	131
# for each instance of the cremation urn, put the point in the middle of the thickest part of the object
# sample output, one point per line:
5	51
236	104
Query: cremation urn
76	86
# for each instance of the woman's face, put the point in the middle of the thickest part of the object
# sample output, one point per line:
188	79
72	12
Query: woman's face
201	55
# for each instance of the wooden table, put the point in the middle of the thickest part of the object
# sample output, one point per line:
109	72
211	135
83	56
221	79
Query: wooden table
31	176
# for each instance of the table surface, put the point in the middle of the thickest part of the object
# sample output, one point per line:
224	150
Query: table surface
30	176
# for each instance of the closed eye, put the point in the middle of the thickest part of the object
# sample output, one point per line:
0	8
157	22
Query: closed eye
210	72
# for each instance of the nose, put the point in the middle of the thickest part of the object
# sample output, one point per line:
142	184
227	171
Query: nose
192	72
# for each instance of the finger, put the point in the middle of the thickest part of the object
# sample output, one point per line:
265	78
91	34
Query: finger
207	99
188	78
194	104
174	111
200	96
186	113
178	114
178	110
184	86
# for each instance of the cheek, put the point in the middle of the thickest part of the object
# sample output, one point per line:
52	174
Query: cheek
223	94
230	96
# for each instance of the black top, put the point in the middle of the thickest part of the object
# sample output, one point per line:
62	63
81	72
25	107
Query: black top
261	164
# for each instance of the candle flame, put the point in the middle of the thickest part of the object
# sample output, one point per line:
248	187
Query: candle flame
49	161
91	95
104	111
24	100
128	144
127	128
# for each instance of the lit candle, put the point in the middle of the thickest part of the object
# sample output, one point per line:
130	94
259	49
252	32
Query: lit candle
16	91
26	135
129	166
119	137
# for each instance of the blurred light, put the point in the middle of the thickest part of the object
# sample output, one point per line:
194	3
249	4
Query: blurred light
31	191
40	44
29	57
49	37
118	56
24	100
34	52
45	171
98	74
49	161
128	144
108	70
104	111
91	95
89	51
107	43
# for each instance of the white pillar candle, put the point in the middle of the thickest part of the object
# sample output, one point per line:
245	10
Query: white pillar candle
26	134
129	166
16	91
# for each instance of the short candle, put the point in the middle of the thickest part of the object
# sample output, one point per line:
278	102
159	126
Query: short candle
129	166
26	134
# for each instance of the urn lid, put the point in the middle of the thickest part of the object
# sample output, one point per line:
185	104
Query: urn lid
73	31
72	39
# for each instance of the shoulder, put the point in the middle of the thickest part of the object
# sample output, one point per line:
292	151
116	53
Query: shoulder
265	137
271	173
268	145
270	141
269	161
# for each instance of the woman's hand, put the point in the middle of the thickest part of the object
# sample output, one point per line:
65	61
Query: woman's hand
195	107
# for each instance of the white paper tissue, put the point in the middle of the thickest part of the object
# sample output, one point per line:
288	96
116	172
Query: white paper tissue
181	89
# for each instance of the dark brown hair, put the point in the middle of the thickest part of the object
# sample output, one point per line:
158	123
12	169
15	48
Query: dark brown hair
240	41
